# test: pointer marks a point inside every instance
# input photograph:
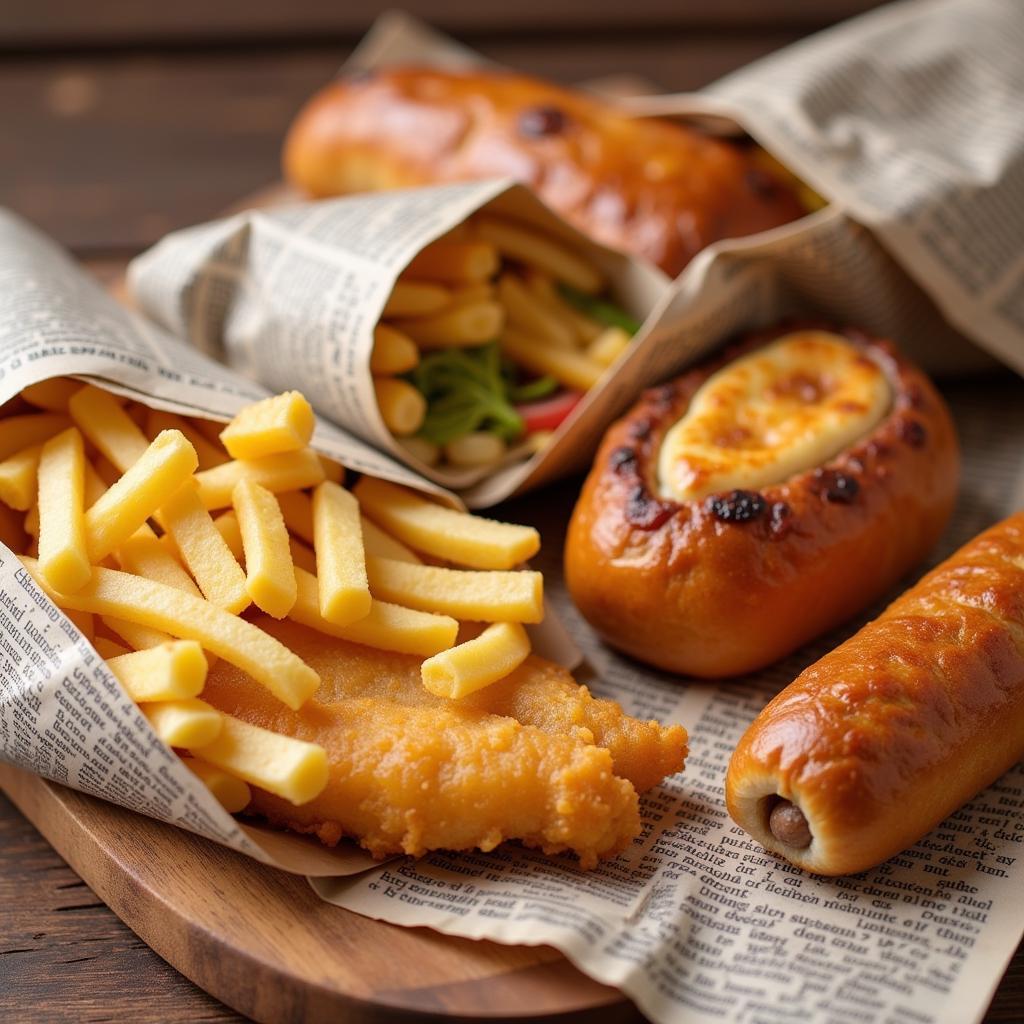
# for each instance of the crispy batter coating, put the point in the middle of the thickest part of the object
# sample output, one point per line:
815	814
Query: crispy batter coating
411	772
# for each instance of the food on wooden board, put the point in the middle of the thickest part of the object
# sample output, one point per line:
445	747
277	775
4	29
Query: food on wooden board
761	499
156	552
872	746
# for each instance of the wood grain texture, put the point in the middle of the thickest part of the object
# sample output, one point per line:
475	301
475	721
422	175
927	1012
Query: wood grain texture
262	942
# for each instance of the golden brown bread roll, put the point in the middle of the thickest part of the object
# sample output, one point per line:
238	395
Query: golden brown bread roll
873	745
761	499
643	185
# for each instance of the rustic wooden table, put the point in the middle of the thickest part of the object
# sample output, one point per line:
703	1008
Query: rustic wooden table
123	121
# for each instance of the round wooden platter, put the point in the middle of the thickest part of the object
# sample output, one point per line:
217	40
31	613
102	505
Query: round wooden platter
261	941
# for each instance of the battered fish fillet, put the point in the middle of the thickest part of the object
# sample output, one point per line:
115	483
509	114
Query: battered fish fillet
538	760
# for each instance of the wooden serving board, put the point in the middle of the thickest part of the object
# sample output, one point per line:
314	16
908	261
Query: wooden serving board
261	941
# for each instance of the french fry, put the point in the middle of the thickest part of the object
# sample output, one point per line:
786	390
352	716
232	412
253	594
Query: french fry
567	366
530	316
231	793
287	767
498	650
527	245
107	648
416	298
228	528
51	395
203	549
542	288
63	547
270	663
162	468
32	428
454	536
18	478
136	636
184	723
477	449
145	555
333	471
269	571
420	448
476	596
459	327
453	261
93	483
388	627
379	542
283	423
285	471
105	424
171	671
393	351
208	453
608	346
469	294
402	407
340	556
297	509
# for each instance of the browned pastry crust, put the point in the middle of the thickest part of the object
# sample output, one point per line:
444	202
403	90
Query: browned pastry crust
646	186
730	583
882	738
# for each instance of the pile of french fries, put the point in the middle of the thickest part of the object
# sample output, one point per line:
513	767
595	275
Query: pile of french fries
490	279
157	533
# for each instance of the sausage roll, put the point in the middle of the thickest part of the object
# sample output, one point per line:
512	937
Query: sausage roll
642	185
761	499
877	742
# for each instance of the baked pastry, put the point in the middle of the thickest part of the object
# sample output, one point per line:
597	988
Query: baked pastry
760	499
873	745
647	186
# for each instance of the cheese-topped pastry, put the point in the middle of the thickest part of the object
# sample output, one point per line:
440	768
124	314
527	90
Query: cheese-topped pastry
770	415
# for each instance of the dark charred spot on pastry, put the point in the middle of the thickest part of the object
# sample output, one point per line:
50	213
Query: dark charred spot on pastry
644	510
789	825
641	430
537	122
780	519
737	506
762	183
840	488
622	460
914	433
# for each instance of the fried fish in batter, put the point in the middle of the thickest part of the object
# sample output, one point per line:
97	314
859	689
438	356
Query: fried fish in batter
538	759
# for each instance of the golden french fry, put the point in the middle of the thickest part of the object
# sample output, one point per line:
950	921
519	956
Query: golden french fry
333	471
477	596
171	671
51	395
203	549
162	468
453	261
269	571
18	478
283	423
184	723
285	471
402	407
527	245
459	327
287	767
530	316
416	298
454	536
228	528
105	424
568	366
477	449
498	650
388	627
231	793
393	351
136	636
209	454
469	294
145	555
63	547
269	662
379	542
420	448
297	509
609	345
32	428
542	288
340	556
95	487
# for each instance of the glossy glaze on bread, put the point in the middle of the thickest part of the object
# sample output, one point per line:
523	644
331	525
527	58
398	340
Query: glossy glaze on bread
883	737
729	583
642	185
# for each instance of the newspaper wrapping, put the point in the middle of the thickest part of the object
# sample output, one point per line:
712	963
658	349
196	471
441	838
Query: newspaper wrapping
695	922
